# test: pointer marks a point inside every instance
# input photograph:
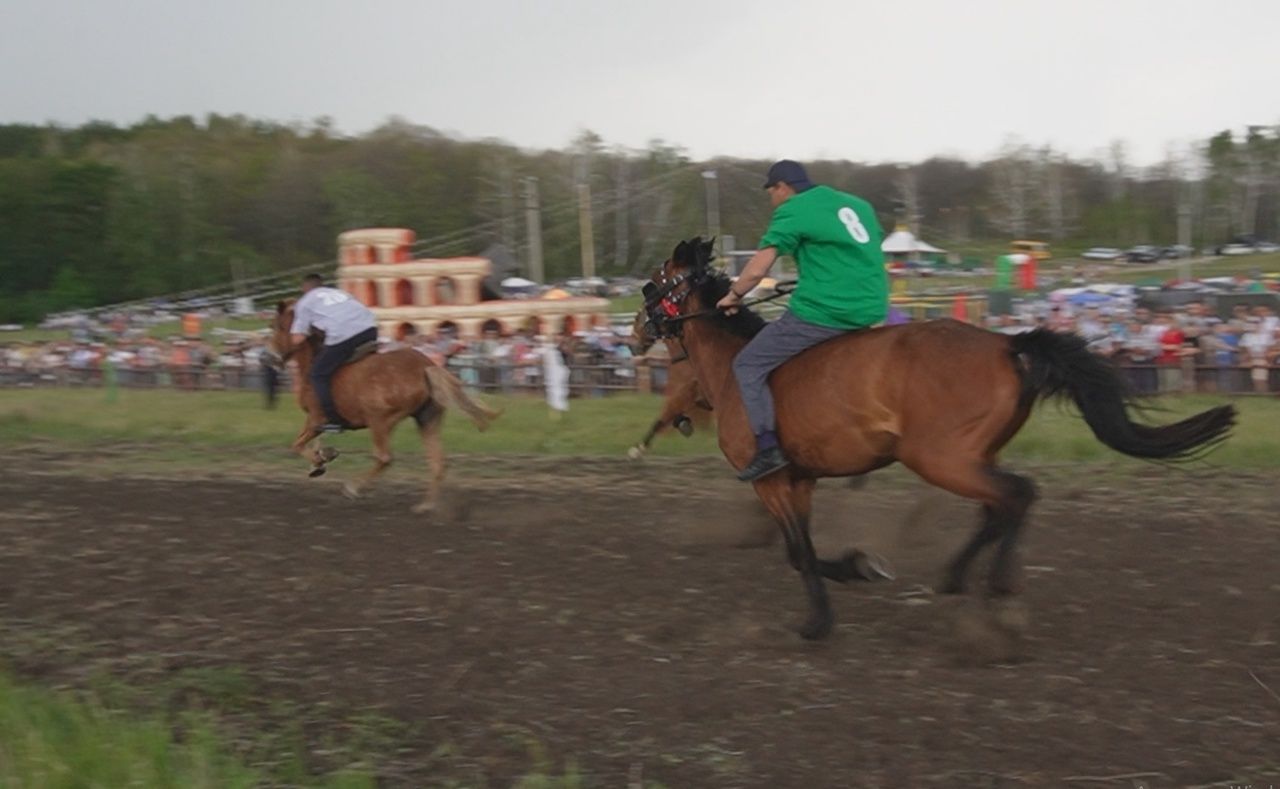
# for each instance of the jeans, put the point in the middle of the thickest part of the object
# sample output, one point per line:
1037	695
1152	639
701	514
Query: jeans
327	362
775	344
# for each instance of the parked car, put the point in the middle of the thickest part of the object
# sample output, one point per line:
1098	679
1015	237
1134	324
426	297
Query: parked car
1102	253
1266	246
1143	253
1176	251
1235	249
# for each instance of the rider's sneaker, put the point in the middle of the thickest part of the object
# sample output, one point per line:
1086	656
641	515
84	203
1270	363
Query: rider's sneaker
763	464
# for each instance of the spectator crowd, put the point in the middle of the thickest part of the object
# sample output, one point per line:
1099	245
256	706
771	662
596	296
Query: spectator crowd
1188	348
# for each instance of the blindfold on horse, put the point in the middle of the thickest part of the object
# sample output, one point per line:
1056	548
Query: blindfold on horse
941	397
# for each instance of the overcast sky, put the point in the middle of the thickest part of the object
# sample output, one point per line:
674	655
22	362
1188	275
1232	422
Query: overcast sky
869	81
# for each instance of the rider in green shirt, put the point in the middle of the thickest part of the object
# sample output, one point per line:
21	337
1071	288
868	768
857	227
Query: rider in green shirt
835	240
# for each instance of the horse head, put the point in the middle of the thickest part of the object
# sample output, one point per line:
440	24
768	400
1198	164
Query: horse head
667	291
281	345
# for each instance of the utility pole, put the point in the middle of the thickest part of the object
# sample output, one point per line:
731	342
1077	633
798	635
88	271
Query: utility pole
622	218
712	183
533	231
586	238
1184	235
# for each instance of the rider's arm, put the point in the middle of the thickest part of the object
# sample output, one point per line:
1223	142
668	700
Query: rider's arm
750	277
302	318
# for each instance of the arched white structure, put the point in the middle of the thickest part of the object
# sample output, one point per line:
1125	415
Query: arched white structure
376	265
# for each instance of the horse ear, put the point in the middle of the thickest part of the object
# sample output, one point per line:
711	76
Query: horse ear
281	306
681	253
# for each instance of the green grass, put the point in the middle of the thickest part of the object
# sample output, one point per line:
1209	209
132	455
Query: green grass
1124	273
605	426
54	739
180	424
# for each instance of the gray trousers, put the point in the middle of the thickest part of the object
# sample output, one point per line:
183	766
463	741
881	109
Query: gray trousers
776	343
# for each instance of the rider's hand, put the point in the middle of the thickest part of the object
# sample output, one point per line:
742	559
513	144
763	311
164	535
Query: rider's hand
729	303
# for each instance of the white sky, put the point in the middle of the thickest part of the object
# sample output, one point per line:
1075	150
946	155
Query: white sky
869	81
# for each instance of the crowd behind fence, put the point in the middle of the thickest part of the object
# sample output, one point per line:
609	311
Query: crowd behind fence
1183	351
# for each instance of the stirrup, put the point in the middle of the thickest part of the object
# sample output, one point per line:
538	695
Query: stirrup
763	464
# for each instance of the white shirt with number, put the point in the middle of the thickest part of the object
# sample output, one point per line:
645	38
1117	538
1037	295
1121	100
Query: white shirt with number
333	311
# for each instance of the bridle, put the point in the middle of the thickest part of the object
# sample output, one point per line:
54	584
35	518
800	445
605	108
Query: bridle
662	305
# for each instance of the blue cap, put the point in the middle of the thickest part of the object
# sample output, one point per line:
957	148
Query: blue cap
790	173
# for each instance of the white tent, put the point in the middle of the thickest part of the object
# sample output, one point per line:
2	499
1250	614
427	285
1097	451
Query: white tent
903	242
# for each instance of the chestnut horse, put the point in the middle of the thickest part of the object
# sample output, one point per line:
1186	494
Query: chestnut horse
941	397
682	402
377	392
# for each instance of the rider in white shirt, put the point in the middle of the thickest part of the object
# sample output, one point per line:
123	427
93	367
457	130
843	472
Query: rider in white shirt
347	324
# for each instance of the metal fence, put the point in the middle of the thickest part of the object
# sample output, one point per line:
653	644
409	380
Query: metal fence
592	380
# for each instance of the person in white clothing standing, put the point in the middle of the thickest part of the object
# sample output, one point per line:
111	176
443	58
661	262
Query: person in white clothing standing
347	324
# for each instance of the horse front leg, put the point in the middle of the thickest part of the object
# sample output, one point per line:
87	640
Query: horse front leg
789	503
317	454
636	452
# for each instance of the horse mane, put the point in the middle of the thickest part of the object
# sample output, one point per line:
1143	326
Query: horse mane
744	323
712	285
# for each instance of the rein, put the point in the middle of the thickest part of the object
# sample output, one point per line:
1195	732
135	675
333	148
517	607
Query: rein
782	289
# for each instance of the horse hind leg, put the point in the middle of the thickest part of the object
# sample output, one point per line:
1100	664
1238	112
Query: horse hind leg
430	424
1005	497
380	431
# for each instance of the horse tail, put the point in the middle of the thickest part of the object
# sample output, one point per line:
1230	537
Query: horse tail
447	390
1057	365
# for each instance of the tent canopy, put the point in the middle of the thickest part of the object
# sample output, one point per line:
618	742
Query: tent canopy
902	242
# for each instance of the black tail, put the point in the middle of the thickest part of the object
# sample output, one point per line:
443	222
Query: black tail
1061	365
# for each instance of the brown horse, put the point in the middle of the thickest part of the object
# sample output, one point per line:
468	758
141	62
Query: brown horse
377	392
941	397
682	402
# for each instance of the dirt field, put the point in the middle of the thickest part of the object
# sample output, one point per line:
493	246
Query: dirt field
606	612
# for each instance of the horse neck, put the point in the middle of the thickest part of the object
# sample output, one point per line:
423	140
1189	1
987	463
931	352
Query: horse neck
711	350
303	358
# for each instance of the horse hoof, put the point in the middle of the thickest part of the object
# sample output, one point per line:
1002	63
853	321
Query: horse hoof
635	453
817	628
1012	615
870	566
317	471
328	453
685	426
350	491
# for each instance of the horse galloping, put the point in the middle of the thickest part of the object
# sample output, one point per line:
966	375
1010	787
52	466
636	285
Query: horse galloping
377	392
941	397
682	402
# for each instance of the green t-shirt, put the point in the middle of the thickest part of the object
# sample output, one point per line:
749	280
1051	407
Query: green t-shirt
835	240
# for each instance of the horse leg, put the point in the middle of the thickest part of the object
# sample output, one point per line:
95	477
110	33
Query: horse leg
789	503
1021	492
318	455
636	452
430	424
1005	498
380	431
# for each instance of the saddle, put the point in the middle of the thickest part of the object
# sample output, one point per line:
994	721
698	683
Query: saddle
367	349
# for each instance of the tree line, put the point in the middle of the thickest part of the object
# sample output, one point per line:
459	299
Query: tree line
102	213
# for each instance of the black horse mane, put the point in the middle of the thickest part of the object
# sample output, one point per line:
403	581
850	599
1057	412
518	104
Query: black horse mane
744	323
